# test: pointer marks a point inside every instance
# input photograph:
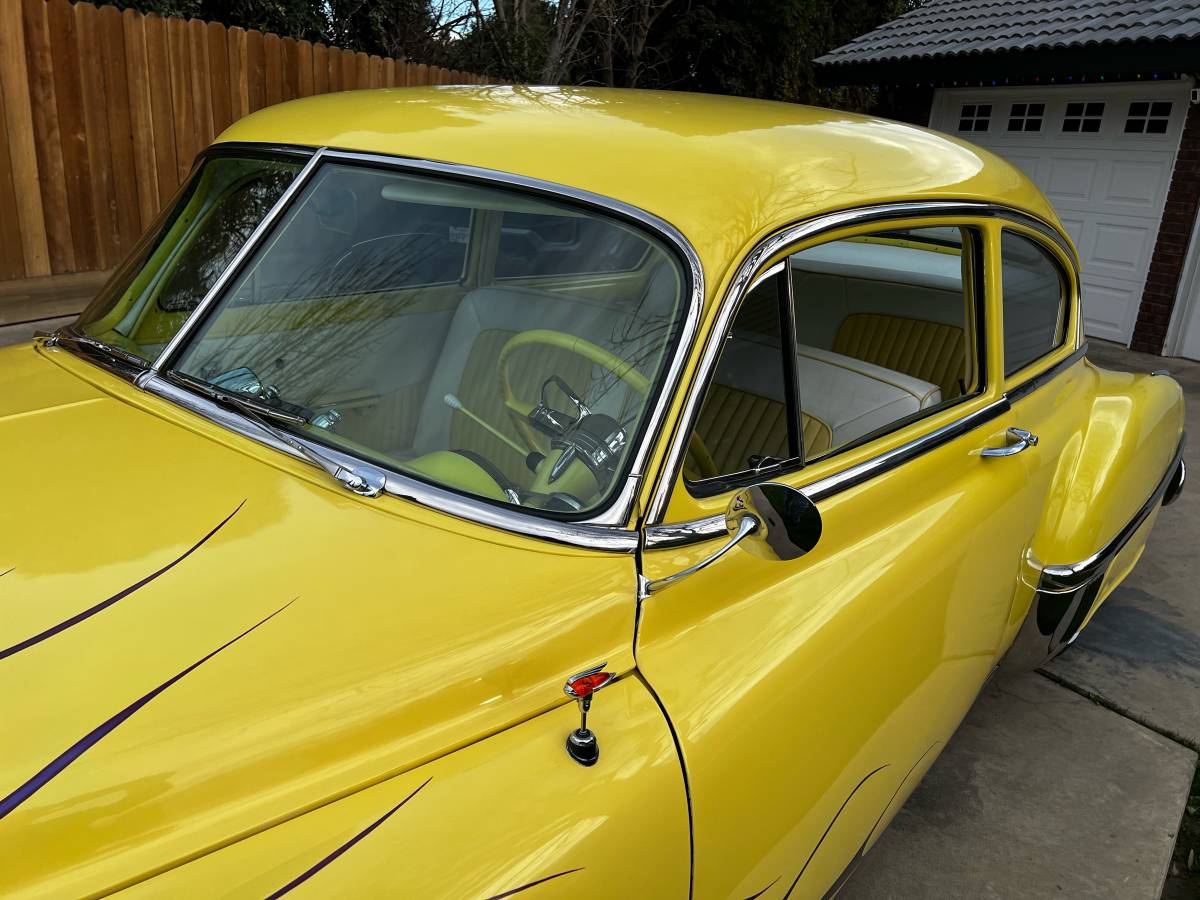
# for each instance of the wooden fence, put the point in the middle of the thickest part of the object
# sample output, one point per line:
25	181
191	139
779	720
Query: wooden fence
102	112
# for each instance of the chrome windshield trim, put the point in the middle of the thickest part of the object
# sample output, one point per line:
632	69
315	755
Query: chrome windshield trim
660	228
1059	579
256	237
615	540
750	270
606	529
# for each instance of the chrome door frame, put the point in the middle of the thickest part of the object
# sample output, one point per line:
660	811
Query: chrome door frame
658	534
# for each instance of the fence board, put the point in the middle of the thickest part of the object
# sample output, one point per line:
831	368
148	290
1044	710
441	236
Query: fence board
162	114
320	69
183	113
102	112
201	100
256	70
12	257
304	69
137	75
290	79
95	126
218	77
273	55
18	116
120	128
68	94
46	138
239	100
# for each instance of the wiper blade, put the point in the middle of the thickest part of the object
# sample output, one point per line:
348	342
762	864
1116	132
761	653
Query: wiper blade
367	482
91	343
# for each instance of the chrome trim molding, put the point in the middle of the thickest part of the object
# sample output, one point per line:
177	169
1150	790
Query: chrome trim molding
749	272
256	237
1175	485
1036	381
1057	579
659	537
397	484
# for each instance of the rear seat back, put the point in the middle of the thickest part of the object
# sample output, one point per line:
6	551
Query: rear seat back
930	351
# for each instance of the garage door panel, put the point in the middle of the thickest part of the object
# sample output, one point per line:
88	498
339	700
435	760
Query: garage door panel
1121	249
1108	305
1139	185
1070	180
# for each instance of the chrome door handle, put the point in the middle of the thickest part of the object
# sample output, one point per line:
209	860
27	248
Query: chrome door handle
1020	439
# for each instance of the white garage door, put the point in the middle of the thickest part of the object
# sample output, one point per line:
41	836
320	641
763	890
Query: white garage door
1103	155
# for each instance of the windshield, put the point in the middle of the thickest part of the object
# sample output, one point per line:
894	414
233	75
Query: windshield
482	339
179	260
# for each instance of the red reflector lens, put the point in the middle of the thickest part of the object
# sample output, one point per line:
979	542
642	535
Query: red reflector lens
586	685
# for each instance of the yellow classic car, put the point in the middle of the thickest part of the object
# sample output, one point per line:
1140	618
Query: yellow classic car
489	491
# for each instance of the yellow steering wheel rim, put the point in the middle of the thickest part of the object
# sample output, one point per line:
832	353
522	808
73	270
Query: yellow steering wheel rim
698	454
572	343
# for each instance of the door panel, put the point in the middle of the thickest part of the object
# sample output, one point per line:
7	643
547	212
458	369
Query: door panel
808	696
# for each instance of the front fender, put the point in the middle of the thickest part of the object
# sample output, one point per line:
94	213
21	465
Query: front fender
509	813
1116	462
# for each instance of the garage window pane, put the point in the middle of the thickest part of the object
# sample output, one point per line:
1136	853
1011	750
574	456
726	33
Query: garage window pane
1033	302
975	117
1148	118
1083	118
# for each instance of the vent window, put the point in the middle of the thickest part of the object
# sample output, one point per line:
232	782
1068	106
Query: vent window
1083	118
1146	117
975	117
1026	116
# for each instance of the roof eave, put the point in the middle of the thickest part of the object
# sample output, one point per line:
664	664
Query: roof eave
1124	61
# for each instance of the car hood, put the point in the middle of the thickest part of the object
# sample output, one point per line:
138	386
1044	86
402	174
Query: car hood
200	637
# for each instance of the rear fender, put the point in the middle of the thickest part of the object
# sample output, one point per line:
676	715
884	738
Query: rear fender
1116	468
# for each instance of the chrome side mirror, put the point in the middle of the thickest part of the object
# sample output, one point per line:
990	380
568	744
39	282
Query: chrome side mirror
772	521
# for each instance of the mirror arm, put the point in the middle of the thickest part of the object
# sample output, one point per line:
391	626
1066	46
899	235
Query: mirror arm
746	526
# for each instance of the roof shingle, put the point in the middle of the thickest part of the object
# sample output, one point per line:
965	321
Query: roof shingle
957	28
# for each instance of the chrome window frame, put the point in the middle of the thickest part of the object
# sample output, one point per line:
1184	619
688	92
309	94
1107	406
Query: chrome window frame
609	528
658	534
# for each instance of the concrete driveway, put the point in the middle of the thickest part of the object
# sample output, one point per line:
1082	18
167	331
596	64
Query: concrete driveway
1071	782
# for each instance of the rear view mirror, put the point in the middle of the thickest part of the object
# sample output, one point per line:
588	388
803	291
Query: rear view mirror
772	521
789	524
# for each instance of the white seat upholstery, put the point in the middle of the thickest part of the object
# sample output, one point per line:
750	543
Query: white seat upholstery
849	396
854	398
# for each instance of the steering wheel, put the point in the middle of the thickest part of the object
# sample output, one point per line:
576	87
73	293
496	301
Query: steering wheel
699	457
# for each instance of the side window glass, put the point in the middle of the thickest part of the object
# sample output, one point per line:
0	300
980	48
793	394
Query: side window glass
1033	302
743	424
885	329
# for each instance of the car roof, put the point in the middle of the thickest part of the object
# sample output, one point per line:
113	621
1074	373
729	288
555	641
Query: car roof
725	171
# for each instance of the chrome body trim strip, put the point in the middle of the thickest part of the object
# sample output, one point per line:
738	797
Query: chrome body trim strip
256	237
748	274
1033	383
1057	579
662	536
1175	485
397	484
